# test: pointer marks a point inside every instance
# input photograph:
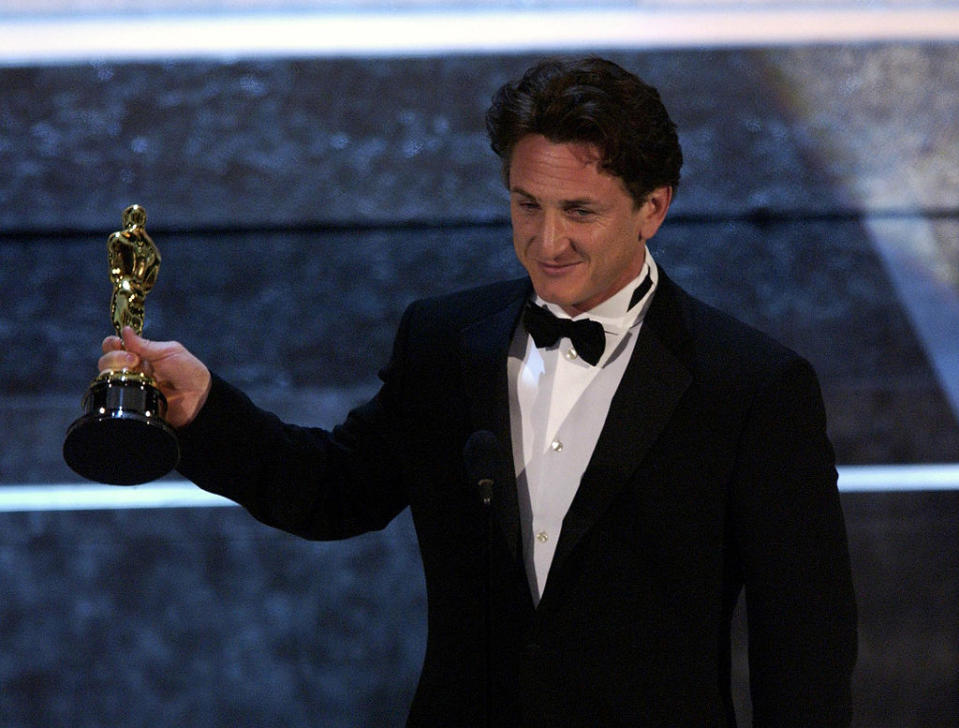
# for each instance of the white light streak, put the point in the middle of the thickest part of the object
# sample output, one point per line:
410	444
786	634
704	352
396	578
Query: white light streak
26	41
92	496
183	494
880	478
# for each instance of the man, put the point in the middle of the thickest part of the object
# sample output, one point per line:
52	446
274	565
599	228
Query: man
659	464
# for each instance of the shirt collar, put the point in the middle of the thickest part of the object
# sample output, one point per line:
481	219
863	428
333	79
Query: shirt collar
612	313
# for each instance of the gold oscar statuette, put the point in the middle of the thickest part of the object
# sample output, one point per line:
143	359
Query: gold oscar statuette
122	438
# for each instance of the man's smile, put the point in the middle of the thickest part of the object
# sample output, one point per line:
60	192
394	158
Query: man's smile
557	268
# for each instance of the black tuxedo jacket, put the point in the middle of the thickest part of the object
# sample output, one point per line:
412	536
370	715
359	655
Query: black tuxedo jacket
713	472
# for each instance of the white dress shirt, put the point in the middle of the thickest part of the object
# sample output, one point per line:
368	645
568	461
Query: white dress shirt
558	405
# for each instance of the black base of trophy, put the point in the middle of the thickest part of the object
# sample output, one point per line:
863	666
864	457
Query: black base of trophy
122	439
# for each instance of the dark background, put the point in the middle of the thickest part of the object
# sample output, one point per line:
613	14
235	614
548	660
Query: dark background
299	204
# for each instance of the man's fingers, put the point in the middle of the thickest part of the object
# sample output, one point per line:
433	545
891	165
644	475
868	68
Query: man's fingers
118	359
130	352
111	343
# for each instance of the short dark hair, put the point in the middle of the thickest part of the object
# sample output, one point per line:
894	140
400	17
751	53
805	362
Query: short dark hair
595	101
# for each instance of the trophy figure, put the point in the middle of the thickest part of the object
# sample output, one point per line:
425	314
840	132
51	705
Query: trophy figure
122	438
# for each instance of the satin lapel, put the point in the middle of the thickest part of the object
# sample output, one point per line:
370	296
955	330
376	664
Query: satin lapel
651	387
484	348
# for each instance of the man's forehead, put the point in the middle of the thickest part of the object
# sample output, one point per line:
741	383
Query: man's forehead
587	153
575	167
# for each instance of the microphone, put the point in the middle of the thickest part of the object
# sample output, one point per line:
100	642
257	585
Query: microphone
484	459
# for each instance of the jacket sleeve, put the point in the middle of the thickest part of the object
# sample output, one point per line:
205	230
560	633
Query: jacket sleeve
311	482
794	555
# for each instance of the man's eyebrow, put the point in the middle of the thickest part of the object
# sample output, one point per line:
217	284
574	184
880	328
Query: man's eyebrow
521	191
578	202
581	202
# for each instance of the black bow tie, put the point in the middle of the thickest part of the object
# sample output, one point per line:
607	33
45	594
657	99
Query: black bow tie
587	336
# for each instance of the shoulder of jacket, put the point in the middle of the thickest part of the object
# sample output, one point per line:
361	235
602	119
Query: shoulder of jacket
460	308
712	338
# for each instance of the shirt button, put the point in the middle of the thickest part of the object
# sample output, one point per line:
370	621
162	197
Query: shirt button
571	353
556	445
542	537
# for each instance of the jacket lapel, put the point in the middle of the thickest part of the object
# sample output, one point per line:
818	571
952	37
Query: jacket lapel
652	385
484	347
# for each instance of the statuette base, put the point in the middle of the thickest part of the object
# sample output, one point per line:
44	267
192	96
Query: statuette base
122	438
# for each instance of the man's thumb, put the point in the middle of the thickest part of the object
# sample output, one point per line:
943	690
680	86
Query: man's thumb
136	344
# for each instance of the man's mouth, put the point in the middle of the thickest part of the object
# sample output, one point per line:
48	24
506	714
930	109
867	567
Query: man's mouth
556	267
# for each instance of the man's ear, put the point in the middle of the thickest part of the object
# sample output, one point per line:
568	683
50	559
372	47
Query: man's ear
654	211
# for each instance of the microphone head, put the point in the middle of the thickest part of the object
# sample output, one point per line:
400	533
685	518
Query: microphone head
484	459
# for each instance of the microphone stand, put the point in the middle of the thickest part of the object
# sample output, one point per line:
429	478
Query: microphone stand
484	461
486	494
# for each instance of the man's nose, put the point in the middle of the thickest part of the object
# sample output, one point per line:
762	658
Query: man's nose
553	237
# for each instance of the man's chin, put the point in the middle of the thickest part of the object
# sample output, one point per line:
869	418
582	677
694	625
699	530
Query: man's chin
564	301
551	295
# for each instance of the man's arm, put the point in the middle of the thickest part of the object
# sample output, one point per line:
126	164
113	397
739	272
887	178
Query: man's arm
308	481
795	559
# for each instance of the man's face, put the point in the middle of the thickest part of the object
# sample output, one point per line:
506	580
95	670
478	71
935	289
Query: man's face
576	229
